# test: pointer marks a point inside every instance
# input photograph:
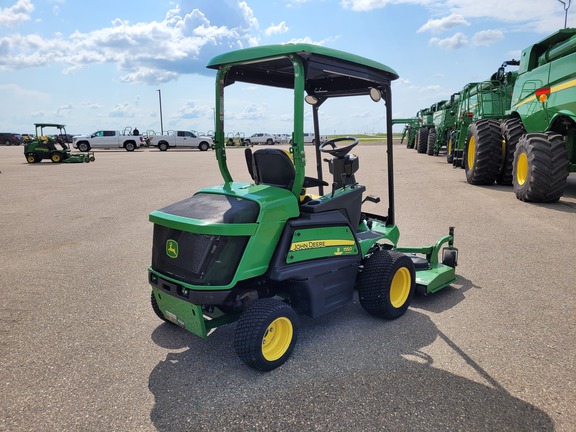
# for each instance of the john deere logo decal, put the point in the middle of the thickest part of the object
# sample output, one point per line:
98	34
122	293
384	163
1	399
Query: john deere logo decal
172	248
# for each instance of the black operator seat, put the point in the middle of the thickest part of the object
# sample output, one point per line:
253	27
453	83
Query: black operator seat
271	167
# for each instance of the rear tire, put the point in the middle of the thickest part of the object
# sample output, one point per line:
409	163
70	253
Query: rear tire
483	152
163	146
130	146
512	130
157	310
540	167
56	157
83	147
266	334
386	284
31	158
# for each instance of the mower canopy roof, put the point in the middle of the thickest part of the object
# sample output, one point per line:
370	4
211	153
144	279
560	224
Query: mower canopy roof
328	72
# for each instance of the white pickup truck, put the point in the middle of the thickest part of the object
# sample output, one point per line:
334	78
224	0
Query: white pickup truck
107	139
180	139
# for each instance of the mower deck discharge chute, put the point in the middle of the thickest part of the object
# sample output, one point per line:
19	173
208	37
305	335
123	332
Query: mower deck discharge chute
262	252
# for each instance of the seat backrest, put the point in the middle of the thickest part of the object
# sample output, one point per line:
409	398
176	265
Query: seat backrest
273	167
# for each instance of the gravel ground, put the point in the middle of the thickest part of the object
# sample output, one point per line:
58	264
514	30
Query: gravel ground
81	349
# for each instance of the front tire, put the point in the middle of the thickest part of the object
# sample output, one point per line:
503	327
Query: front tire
203	146
431	141
540	167
157	310
31	158
483	152
386	284
422	140
266	334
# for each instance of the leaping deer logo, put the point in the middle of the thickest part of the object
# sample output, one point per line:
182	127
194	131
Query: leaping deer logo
172	248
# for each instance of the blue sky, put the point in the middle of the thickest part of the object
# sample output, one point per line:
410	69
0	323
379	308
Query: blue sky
98	65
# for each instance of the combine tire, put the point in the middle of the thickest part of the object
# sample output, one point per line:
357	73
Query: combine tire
540	167
386	284
431	141
266	334
422	140
450	148
512	130
483	152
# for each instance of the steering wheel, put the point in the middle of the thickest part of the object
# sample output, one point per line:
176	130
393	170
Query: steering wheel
338	152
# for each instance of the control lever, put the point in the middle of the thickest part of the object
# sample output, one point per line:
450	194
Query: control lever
372	199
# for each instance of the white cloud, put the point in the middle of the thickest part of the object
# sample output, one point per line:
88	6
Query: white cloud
151	52
16	14
190	111
487	37
443	24
368	5
276	29
456	41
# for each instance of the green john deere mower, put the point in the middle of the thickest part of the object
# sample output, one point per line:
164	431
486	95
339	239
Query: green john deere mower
54	146
260	253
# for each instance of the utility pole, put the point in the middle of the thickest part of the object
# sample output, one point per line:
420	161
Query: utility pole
160	100
566	7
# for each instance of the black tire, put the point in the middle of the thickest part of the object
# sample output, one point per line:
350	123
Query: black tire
450	147
31	158
512	130
203	146
266	334
157	310
386	284
431	141
56	157
540	167
422	140
483	152
83	147
130	146
269	142
450	258
7	142
163	146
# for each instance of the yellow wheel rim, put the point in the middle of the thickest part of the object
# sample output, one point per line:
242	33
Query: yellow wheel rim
31	159
400	287
522	169
471	152
277	338
56	158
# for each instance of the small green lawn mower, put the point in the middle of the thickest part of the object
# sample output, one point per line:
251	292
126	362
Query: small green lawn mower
54	146
260	253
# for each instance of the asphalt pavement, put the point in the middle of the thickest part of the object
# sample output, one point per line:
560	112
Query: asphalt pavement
81	349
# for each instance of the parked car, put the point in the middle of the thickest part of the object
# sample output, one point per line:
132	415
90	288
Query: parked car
107	139
9	138
262	138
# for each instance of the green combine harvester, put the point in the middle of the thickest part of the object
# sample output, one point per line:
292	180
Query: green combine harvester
54	147
259	253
